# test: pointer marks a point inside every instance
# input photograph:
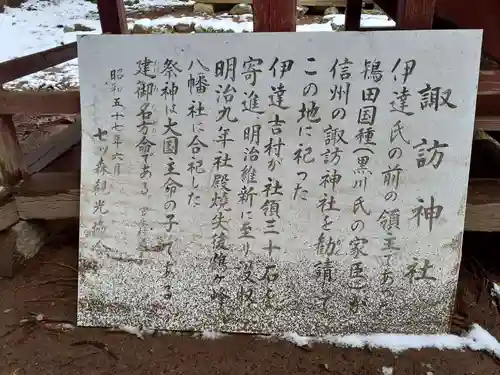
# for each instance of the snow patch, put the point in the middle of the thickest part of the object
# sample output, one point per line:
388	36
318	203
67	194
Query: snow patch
212	335
387	370
477	339
495	290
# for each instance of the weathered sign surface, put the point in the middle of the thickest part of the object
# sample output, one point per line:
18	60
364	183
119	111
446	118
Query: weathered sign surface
307	182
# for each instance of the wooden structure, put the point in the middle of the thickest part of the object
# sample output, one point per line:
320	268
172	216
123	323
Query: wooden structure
307	3
44	183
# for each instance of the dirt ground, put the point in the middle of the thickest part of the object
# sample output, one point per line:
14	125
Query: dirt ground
47	285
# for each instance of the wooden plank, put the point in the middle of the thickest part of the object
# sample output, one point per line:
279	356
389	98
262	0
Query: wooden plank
68	102
53	148
112	16
353	15
49	196
489	82
483	206
56	195
415	14
8	210
488	123
53	193
22	66
274	15
40	102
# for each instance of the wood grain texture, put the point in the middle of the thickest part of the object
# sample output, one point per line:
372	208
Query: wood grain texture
415	14
11	160
275	15
49	196
22	66
112	16
40	102
353	15
53	148
8	211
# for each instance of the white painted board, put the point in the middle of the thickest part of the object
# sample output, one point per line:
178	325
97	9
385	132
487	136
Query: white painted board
307	182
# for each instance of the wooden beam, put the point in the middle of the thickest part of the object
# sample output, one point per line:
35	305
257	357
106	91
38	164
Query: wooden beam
8	210
353	15
53	148
489	82
488	123
112	16
274	15
68	102
56	195
415	14
483	206
49	196
22	66
40	102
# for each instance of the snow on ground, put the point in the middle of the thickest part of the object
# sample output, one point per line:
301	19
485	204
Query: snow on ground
38	26
477	339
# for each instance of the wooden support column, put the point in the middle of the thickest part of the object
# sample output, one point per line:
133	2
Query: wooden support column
11	172
415	14
274	15
11	159
353	15
112	15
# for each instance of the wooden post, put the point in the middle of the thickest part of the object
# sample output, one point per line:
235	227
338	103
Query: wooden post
274	15
415	14
353	15
11	158
112	15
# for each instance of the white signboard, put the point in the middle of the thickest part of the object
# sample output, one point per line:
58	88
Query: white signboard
307	182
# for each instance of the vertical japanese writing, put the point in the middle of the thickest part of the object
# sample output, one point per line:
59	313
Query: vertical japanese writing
392	177
270	188
328	245
103	138
247	197
372	76
146	88
222	165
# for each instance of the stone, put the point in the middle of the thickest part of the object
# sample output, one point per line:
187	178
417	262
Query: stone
241	9
301	10
184	28
81	27
140	29
254	224
18	244
202	8
331	11
336	27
